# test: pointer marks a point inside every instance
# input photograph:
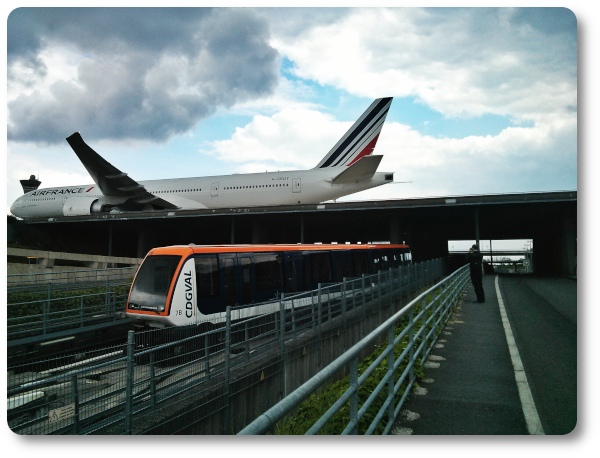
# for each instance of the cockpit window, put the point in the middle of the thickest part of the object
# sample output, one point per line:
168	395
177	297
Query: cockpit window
151	286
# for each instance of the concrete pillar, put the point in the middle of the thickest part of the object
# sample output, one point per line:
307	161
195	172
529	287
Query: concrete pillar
110	239
258	235
395	230
569	244
477	227
146	241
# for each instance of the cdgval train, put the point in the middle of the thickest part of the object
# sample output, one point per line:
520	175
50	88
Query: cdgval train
194	284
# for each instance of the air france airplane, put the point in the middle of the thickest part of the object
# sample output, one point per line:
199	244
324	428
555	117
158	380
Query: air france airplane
347	168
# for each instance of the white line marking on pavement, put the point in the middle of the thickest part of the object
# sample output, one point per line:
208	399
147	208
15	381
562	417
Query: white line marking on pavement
534	425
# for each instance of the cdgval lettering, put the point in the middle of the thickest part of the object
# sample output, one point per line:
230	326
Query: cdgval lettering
189	294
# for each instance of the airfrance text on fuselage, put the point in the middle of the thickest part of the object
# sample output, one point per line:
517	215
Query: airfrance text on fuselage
53	192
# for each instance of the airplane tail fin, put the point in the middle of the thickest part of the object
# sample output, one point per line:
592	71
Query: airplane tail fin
361	138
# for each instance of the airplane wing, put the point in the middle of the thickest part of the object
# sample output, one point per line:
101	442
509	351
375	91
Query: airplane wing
110	180
362	169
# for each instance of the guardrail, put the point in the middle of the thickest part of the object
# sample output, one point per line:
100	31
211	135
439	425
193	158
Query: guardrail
68	279
426	315
38	309
174	368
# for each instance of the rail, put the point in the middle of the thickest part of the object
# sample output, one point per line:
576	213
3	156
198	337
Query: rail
133	388
426	315
67	279
41	308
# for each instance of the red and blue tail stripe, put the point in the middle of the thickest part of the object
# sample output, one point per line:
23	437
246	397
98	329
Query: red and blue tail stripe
361	138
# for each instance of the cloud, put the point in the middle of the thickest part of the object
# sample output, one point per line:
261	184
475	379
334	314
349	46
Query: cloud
292	138
129	73
461	62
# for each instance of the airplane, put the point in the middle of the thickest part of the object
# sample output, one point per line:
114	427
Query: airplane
349	167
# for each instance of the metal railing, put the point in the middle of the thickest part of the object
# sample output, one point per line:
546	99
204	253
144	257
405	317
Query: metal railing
38	309
420	323
133	388
68	279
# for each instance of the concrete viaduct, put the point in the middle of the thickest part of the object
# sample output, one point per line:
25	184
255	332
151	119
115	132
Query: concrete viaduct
426	224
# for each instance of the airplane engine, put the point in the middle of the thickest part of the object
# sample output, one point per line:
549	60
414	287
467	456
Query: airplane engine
81	206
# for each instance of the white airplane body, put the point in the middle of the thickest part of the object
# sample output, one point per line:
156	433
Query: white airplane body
349	167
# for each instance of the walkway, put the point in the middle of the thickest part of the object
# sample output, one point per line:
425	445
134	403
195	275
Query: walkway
470	385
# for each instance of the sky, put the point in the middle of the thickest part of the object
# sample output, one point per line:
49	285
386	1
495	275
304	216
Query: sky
485	99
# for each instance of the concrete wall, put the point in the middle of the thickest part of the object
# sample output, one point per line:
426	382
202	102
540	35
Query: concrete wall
34	262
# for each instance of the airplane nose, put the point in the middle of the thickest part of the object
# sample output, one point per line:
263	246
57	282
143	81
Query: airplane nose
14	208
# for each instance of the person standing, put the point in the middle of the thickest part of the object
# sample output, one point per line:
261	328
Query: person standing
475	259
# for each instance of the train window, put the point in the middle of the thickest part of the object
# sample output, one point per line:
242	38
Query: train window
347	259
228	271
380	259
267	268
384	262
320	267
291	273
152	283
247	292
359	259
207	277
304	269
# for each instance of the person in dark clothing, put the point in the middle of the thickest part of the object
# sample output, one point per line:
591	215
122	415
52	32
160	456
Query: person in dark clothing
475	259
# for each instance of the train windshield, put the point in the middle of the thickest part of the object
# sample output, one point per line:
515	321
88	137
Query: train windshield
151	286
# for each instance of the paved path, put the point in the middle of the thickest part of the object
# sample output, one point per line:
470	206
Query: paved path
471	386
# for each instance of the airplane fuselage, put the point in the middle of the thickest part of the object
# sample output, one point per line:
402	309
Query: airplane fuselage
227	191
347	168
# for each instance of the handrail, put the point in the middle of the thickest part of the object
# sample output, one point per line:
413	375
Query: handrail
266	421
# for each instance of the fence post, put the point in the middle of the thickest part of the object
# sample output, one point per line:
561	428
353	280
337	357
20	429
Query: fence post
354	397
379	296
344	299
319	310
281	325
129	383
344	317
227	415
75	397
424	310
400	285
418	276
390	288
81	314
411	344
362	289
107	291
391	361
283	382
152	381
319	332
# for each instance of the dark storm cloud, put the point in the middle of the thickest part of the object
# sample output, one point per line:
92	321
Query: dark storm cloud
143	73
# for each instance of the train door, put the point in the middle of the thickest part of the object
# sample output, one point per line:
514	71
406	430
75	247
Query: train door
346	264
336	266
228	280
245	280
292	279
236	279
320	268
